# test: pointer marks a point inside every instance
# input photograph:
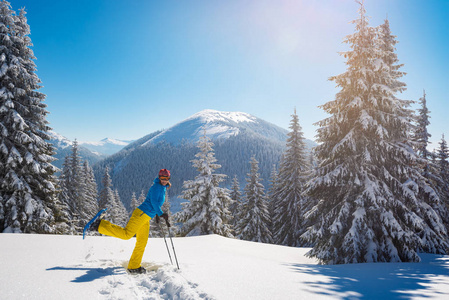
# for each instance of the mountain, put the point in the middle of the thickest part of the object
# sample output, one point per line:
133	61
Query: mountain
218	125
106	146
63	147
93	152
236	135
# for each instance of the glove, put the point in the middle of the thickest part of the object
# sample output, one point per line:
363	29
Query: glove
157	219
165	216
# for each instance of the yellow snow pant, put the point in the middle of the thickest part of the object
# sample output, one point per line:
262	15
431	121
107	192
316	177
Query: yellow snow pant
139	225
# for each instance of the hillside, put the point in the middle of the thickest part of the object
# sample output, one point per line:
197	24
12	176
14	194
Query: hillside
237	136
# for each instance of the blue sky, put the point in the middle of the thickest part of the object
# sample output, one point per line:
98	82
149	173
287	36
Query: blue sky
123	69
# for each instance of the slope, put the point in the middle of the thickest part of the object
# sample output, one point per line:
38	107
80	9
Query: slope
212	267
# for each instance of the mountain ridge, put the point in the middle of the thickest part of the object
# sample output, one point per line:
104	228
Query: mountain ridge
134	168
217	125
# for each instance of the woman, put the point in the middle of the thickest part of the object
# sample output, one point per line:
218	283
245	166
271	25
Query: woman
139	223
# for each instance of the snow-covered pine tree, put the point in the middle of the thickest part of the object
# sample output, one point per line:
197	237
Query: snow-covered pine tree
63	218
373	202
141	198
89	203
421	135
254	218
106	197
287	196
78	190
443	156
76	182
133	203
443	169
236	197
65	197
27	182
119	211
274	181
427	161
207	211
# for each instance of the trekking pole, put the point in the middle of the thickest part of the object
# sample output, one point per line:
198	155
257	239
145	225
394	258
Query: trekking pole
166	245
173	246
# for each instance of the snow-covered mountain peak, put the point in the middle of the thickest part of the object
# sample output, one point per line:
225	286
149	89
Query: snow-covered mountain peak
210	115
106	141
217	125
58	140
106	146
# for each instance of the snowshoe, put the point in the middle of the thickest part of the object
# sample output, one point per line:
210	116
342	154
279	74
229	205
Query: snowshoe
140	270
93	224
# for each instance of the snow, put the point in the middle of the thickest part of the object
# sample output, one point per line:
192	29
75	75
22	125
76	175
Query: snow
59	140
218	131
211	267
106	146
218	125
210	115
106	141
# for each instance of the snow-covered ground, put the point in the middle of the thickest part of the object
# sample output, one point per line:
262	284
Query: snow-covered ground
211	267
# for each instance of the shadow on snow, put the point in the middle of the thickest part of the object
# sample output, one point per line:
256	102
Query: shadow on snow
380	280
91	273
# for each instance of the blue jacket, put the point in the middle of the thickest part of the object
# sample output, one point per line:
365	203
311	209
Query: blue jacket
154	200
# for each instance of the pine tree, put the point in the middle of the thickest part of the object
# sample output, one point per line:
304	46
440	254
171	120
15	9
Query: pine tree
422	136
288	200
27	182
207	211
133	204
65	197
236	196
63	223
274	180
141	198
255	220
427	161
78	191
90	203
374	205
75	184
274	185
443	169
106	197
119	211
443	163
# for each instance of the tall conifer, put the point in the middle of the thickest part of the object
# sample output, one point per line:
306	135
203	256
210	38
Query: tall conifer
90	202
288	200
27	183
106	197
422	135
236	197
374	205
207	211
443	170
254	221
